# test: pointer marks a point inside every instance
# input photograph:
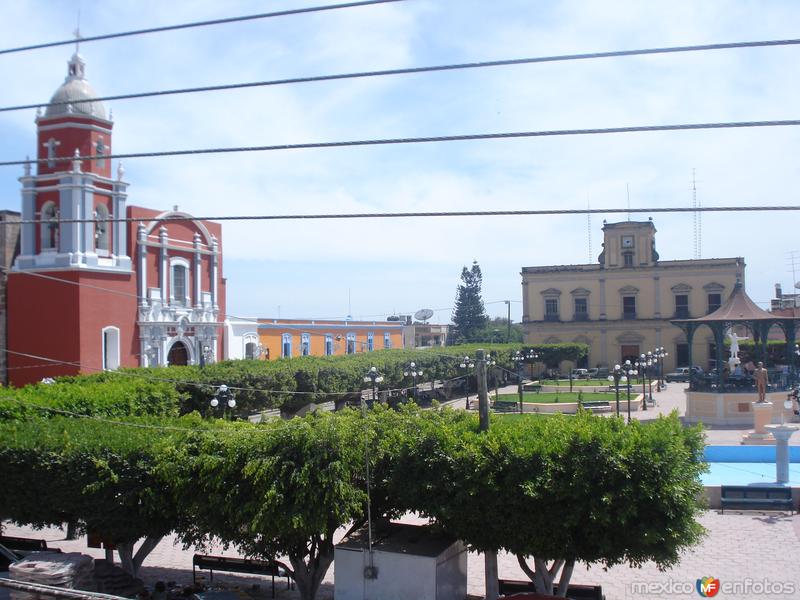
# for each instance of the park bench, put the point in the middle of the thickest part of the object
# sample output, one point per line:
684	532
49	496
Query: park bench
240	565
506	406
574	591
749	497
532	387
596	405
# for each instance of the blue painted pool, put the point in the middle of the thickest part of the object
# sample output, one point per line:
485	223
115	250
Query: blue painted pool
743	465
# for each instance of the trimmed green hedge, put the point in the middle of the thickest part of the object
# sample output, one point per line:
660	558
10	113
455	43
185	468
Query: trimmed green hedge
258	385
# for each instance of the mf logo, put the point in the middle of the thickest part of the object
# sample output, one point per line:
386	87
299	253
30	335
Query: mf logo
708	587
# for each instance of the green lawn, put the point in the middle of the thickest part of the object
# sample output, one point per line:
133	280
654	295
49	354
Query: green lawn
550	397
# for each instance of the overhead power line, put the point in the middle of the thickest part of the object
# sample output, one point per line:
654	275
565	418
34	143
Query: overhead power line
406	215
223	21
419	140
415	70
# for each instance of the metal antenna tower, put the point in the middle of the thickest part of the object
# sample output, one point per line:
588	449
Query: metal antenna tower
698	223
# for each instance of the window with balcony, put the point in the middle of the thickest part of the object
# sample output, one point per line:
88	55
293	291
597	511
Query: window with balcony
681	306
370	341
581	309
351	343
387	340
305	344
629	307
551	309
328	344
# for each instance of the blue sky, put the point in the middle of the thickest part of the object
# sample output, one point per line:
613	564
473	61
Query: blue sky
381	267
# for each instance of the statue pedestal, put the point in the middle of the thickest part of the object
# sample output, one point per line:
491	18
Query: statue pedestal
782	433
762	416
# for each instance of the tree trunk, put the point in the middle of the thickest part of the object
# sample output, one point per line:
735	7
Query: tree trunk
543	576
131	563
72	527
308	576
566	575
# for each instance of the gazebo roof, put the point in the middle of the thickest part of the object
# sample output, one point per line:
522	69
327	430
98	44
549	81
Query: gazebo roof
738	307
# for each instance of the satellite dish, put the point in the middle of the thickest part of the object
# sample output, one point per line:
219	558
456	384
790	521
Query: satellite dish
423	314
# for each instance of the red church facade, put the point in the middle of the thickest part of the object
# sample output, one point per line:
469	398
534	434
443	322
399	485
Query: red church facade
99	284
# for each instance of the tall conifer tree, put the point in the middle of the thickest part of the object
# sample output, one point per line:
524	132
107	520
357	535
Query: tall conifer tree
469	315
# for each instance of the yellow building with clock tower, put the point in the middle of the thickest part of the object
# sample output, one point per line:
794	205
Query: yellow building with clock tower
621	306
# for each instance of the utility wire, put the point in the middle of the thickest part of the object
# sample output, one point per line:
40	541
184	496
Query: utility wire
420	140
223	21
412	70
406	215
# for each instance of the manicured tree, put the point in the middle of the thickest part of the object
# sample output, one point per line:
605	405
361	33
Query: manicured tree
278	489
100	476
469	315
557	491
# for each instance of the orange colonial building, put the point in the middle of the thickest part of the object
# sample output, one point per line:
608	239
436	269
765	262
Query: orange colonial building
285	338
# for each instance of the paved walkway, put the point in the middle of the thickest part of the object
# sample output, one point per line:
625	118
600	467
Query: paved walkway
744	550
752	555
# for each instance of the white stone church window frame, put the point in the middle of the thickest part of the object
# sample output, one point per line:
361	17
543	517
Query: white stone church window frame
109	339
179	263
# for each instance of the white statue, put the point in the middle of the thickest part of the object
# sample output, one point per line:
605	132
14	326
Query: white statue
735	339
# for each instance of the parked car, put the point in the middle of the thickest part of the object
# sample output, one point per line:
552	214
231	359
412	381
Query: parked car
681	374
580	373
593	373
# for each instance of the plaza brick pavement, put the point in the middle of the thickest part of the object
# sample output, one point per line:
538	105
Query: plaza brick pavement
753	555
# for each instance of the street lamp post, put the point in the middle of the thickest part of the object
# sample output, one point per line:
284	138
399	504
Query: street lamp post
617	375
225	397
630	373
490	364
467	364
413	372
375	378
520	358
659	355
643	366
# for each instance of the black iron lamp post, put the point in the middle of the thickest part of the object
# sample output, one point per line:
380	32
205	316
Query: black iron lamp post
520	358
374	377
413	372
643	366
467	364
630	373
617	375
224	397
659	355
